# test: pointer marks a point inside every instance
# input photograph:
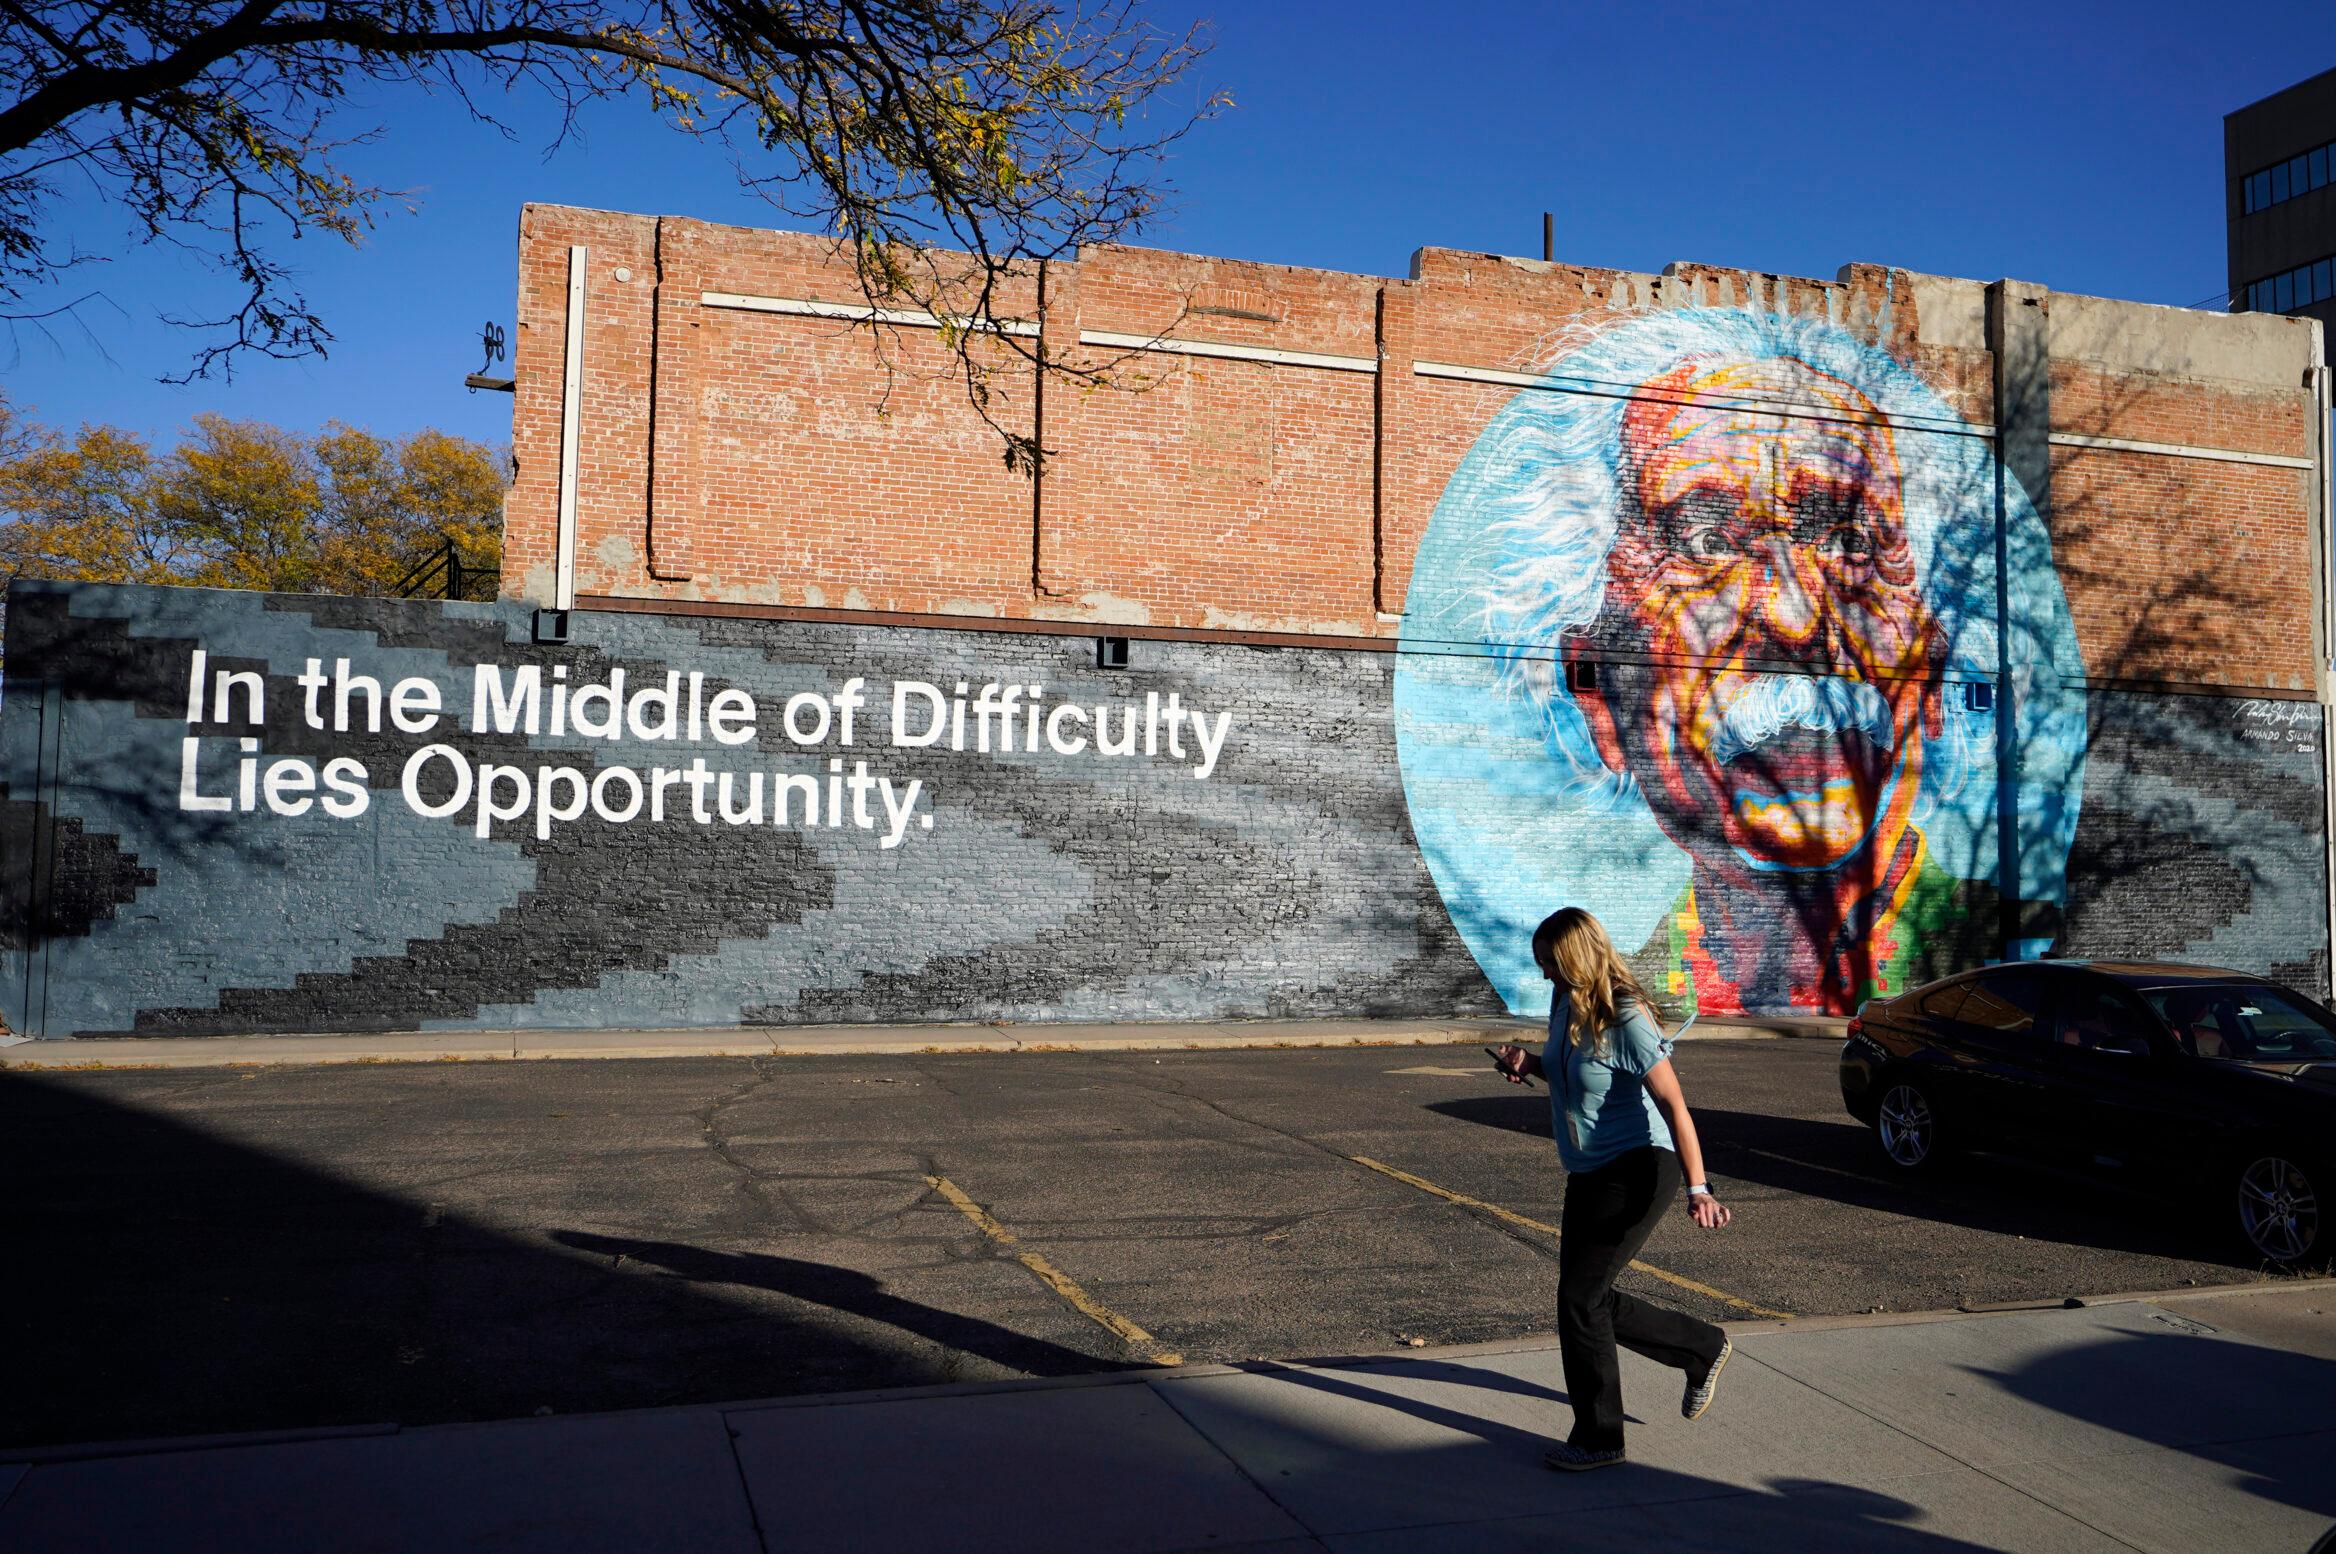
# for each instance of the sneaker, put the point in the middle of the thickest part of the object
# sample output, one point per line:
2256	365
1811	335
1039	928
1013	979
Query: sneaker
1569	1458
1699	1393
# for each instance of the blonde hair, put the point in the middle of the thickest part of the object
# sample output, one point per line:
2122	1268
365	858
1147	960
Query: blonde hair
1572	947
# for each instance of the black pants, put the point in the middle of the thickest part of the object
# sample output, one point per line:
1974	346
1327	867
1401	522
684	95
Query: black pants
1609	1213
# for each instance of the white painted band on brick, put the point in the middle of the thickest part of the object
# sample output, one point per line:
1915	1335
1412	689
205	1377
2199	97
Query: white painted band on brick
1238	353
859	313
1562	385
2178	450
571	418
1591	387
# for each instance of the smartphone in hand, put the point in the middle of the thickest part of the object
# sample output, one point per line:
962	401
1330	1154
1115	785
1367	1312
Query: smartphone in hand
1521	1077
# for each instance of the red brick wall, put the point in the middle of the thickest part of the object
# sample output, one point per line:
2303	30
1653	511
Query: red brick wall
779	461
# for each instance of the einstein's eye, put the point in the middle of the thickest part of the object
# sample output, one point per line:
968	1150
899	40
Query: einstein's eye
1848	543
1709	544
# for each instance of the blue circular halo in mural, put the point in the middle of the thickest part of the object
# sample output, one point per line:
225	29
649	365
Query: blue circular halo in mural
1705	636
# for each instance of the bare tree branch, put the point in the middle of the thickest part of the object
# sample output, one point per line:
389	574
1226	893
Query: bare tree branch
1003	132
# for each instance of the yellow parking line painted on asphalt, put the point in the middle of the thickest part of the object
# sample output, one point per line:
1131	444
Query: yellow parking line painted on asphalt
1054	1278
1514	1218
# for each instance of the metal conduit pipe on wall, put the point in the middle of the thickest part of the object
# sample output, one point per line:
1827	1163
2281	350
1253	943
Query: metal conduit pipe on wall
2324	533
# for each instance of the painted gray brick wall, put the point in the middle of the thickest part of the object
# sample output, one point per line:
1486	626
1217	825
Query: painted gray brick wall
2203	835
1048	887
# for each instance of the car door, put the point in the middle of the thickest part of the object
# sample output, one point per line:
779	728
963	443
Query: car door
2115	1094
1998	1074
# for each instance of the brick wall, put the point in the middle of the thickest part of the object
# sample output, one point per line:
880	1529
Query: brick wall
787	462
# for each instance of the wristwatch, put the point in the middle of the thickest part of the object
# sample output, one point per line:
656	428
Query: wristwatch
1695	1189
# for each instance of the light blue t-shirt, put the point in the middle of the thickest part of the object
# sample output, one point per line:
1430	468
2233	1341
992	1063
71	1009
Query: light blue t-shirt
1599	1106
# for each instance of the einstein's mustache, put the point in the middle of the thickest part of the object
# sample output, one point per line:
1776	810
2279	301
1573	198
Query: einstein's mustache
1752	711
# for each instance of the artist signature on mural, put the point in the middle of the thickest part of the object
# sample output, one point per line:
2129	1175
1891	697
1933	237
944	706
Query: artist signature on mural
2292	725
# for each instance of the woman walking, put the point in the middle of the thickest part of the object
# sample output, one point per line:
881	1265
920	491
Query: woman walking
1624	1136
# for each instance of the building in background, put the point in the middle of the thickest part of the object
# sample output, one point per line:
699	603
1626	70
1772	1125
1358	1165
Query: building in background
2279	168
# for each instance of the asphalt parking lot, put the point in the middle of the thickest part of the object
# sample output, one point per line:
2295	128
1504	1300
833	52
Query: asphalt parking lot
217	1250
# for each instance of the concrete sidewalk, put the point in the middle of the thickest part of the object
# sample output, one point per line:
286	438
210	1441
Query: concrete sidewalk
815	1040
2171	1423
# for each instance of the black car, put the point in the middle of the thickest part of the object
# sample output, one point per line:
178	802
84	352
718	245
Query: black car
2211	1083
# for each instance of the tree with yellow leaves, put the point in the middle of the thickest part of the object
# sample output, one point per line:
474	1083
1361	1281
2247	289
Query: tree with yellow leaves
242	504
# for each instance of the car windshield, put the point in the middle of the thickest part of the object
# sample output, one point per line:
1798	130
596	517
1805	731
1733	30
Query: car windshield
2244	1023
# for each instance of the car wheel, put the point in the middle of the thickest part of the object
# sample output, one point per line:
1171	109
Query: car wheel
2283	1208
1906	1124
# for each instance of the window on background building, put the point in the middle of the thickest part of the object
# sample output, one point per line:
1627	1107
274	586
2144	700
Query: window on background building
2324	279
2291	179
2283	292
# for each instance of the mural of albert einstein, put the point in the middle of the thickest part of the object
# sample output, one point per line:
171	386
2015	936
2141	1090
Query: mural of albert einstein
1691	642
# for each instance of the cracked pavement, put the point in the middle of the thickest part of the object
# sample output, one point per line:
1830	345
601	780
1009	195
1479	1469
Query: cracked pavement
296	1247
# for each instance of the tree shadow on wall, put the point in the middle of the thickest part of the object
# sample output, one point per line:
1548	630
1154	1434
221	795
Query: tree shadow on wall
2192	810
2204	787
173	1282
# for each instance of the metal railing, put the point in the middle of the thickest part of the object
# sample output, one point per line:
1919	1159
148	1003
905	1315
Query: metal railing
444	569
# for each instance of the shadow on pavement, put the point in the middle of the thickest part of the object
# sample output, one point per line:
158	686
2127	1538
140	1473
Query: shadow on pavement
2259	1412
1335	1382
1351	1461
171	1282
849	1291
1834	1162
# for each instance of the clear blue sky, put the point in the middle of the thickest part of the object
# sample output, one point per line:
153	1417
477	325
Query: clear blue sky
2080	146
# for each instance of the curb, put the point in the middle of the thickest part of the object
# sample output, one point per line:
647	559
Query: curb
171	1052
106	1053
